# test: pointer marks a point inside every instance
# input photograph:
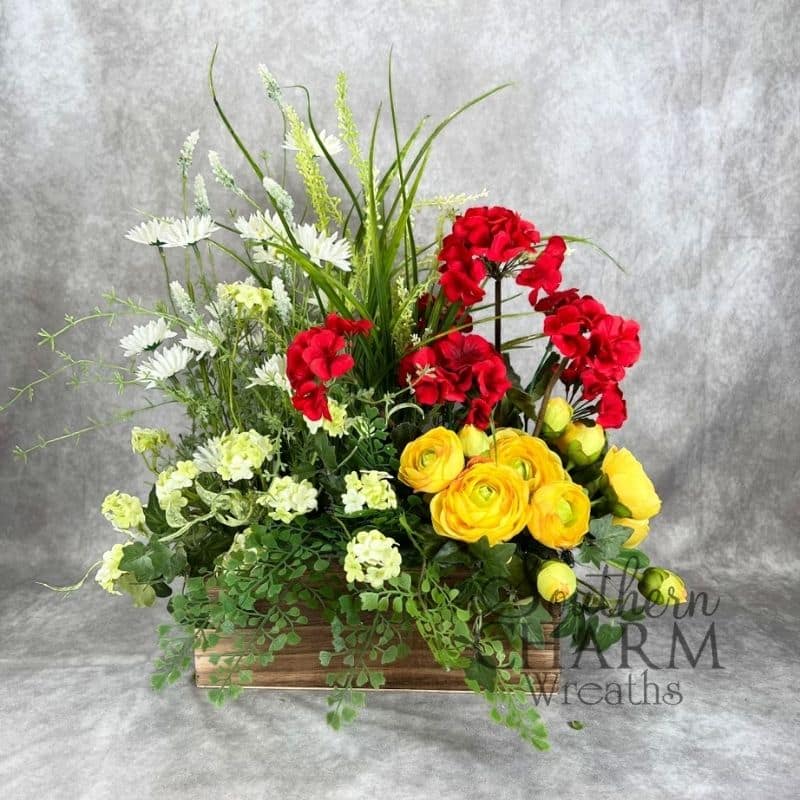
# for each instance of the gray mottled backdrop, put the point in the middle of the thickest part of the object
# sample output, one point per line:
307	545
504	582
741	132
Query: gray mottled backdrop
667	131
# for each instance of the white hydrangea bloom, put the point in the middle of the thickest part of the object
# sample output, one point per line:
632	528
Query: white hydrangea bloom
289	498
163	365
109	571
336	426
372	558
186	232
152	232
332	143
247	297
171	482
272	373
242	454
187	152
283	303
146	337
322	249
368	489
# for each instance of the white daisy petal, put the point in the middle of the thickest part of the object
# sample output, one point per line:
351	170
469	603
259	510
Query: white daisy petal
152	232
207	457
321	248
146	337
164	364
272	373
186	232
204	342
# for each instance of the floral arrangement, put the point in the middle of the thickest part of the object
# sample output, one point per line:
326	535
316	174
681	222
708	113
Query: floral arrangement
353	443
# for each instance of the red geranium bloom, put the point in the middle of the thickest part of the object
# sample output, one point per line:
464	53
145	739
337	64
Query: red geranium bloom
310	399
324	357
612	411
545	272
615	344
461	281
566	329
548	305
348	327
479	414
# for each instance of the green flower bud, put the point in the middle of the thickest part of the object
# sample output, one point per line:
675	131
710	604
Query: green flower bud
556	582
557	416
662	587
474	442
582	444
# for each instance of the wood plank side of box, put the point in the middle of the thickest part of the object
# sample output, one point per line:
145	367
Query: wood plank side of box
298	666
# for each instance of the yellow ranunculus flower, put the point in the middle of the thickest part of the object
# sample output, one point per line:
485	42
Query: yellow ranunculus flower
639	530
555	581
559	515
530	457
431	461
557	415
631	487
581	443
473	441
486	499
662	587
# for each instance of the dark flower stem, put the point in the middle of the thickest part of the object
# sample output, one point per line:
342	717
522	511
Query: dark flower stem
498	310
546	396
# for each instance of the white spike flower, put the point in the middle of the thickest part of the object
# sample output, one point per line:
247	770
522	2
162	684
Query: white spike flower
187	152
283	303
322	249
279	195
163	365
201	204
186	232
183	303
331	143
272	373
271	86
146	337
152	232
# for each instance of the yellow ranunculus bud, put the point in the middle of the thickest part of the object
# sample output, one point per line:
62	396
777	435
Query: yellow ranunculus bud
486	499
431	461
582	444
639	530
662	587
557	415
559	515
530	457
633	492
473	441
556	582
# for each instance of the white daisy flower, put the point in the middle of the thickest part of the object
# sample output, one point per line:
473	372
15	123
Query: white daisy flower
259	227
332	143
207	456
146	337
152	231
185	232
324	249
272	373
164	364
204	343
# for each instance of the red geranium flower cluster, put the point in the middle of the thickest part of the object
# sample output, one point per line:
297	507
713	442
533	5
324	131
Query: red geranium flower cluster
600	346
458	368
481	235
317	356
544	274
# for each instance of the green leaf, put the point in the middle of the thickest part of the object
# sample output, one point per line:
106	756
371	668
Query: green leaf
483	672
576	725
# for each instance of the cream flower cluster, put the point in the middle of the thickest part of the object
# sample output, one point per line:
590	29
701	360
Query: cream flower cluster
123	511
109	572
368	489
242	454
336	426
149	440
372	558
289	498
172	481
248	298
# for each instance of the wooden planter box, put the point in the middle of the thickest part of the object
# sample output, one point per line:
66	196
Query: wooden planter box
298	667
